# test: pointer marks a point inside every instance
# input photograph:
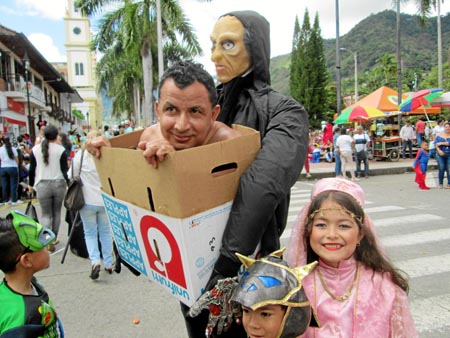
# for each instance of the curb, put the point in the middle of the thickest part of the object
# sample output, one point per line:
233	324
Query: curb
372	172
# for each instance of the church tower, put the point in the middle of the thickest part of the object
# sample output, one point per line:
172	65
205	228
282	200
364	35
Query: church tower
81	63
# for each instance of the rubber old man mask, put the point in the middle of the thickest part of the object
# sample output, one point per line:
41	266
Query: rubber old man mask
229	53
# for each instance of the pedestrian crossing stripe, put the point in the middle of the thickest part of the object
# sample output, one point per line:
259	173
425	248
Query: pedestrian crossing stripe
398	220
383	208
299	202
431	313
425	266
416	238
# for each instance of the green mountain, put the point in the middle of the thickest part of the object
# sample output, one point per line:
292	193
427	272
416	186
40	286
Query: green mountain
373	37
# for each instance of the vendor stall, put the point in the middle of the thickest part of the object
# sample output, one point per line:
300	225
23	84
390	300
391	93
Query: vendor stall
387	147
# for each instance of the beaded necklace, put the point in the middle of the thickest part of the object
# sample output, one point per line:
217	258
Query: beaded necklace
347	294
342	298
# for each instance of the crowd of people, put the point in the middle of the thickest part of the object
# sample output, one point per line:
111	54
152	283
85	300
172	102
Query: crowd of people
344	147
15	156
353	146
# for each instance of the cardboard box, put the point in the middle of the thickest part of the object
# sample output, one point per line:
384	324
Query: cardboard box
168	222
177	254
186	183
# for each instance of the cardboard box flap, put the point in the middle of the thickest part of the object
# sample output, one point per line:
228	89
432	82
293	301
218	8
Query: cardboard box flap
186	183
129	140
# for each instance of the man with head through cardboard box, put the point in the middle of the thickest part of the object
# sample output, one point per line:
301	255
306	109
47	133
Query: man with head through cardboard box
186	111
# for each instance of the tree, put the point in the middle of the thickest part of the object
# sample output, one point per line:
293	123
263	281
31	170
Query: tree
308	72
299	66
431	80
296	60
133	25
386	69
320	78
119	71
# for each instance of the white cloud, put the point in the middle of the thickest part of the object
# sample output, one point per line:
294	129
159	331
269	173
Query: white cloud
8	11
45	44
49	9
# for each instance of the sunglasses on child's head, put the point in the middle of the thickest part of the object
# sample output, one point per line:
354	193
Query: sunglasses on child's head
32	235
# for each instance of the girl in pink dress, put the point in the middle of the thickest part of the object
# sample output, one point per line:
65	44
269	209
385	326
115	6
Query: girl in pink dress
355	291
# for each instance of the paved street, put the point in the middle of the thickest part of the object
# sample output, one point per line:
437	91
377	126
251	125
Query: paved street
413	226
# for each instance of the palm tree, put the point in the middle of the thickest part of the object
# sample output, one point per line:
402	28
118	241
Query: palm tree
399	55
120	75
425	7
133	27
397	3
386	69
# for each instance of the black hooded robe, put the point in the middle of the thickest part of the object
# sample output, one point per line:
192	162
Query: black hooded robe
259	211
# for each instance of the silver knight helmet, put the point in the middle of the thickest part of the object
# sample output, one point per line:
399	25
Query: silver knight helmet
270	280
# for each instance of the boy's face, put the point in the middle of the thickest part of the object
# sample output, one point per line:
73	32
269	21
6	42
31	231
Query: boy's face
424	145
265	322
41	259
36	260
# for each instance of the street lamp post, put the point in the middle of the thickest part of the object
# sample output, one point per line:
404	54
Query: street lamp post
338	63
69	100
355	56
26	62
87	117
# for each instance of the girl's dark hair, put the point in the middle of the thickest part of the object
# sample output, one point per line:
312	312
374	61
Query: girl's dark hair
368	251
10	246
7	143
50	134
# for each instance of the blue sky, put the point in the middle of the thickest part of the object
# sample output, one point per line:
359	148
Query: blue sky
42	20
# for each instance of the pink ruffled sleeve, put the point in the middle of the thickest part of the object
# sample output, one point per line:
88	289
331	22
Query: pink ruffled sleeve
402	323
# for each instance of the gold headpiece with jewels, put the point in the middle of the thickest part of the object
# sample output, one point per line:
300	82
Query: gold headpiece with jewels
340	209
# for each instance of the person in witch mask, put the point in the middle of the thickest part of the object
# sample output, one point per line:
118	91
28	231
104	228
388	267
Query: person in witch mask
241	54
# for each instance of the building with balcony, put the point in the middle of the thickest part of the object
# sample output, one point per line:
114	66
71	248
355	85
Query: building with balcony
31	89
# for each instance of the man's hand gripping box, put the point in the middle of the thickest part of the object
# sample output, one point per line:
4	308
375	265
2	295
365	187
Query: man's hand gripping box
168	222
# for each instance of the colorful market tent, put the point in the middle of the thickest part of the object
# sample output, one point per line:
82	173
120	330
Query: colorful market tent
385	99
